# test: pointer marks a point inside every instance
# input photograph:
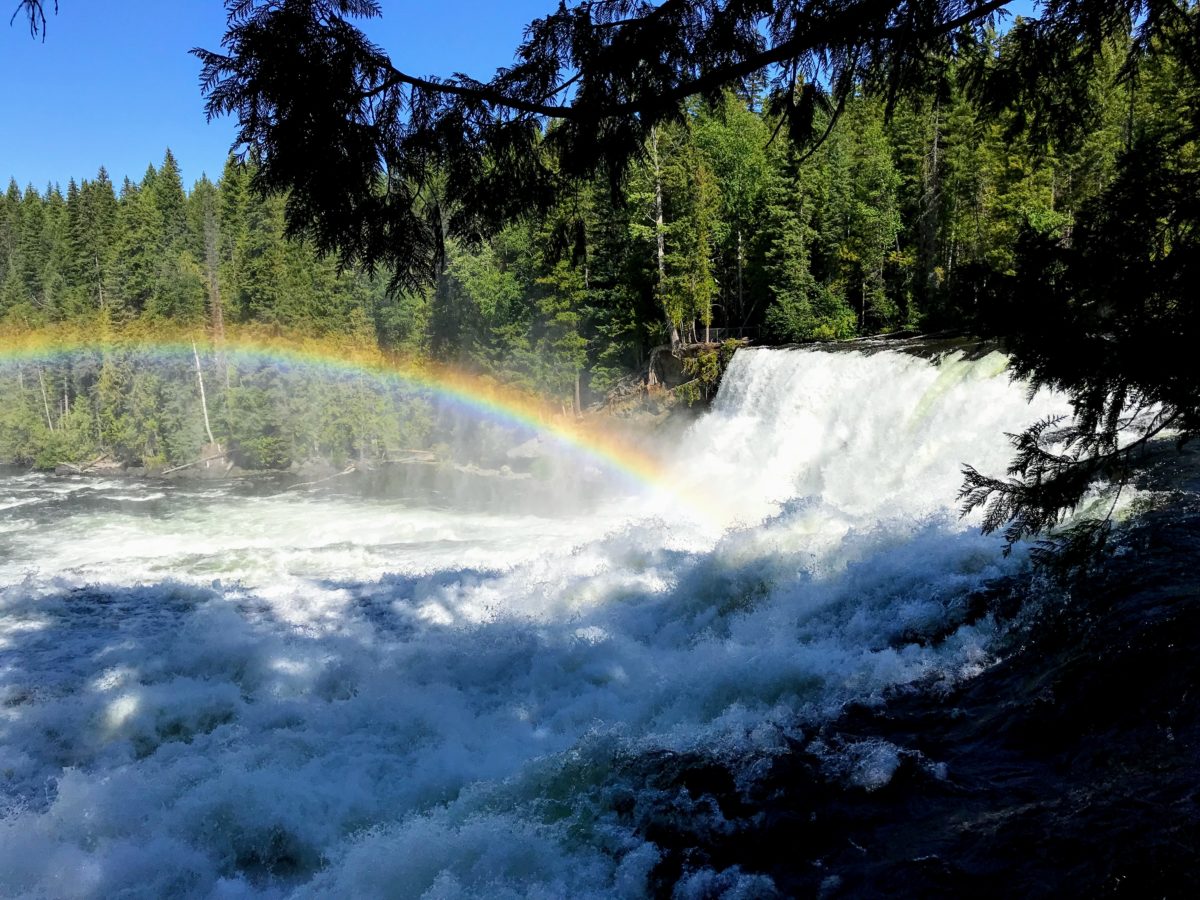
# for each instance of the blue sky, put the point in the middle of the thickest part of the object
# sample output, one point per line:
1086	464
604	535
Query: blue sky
113	84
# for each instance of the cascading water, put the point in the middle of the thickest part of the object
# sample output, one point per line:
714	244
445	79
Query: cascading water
208	692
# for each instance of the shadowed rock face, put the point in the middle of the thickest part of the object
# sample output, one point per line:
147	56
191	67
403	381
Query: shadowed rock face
1070	768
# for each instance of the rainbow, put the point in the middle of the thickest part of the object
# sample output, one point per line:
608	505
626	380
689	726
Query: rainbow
475	395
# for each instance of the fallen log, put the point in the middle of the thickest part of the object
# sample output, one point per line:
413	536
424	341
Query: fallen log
195	462
346	471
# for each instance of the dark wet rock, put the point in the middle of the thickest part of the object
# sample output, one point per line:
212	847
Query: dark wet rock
668	368
1069	768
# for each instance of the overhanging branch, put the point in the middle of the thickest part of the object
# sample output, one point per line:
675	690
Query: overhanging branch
815	34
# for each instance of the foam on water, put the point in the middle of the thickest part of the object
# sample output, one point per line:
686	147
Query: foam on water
210	695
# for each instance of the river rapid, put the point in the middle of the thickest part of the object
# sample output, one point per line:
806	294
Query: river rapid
214	691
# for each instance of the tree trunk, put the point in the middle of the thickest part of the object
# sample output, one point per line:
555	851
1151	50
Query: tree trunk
362	418
578	402
660	237
45	401
216	312
99	280
203	398
930	201
741	302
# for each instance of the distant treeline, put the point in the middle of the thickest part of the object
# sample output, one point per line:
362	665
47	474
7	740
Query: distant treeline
894	221
134	399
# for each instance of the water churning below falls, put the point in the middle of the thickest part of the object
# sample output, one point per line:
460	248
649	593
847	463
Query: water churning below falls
207	692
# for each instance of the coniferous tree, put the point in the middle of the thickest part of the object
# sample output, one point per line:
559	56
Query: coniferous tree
166	191
733	139
801	308
93	239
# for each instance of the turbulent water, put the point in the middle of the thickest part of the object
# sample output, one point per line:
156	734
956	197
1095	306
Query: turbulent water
215	691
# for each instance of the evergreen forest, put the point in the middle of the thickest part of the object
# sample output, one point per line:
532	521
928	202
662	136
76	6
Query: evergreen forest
900	218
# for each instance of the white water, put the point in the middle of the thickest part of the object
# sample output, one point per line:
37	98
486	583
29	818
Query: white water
212	695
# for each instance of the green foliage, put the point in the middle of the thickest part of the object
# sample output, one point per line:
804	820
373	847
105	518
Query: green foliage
913	215
253	422
705	368
559	346
675	196
891	223
384	167
733	142
1109	317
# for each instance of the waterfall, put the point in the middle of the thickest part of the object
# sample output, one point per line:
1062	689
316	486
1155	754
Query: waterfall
867	435
205	692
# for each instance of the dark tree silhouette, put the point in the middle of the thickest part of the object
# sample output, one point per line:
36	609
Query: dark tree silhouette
1109	315
1112	319
34	12
381	164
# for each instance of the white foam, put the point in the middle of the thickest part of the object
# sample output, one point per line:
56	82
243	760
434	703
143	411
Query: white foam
237	697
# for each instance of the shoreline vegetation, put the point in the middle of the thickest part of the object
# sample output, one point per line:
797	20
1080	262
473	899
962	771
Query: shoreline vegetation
86	398
328	406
